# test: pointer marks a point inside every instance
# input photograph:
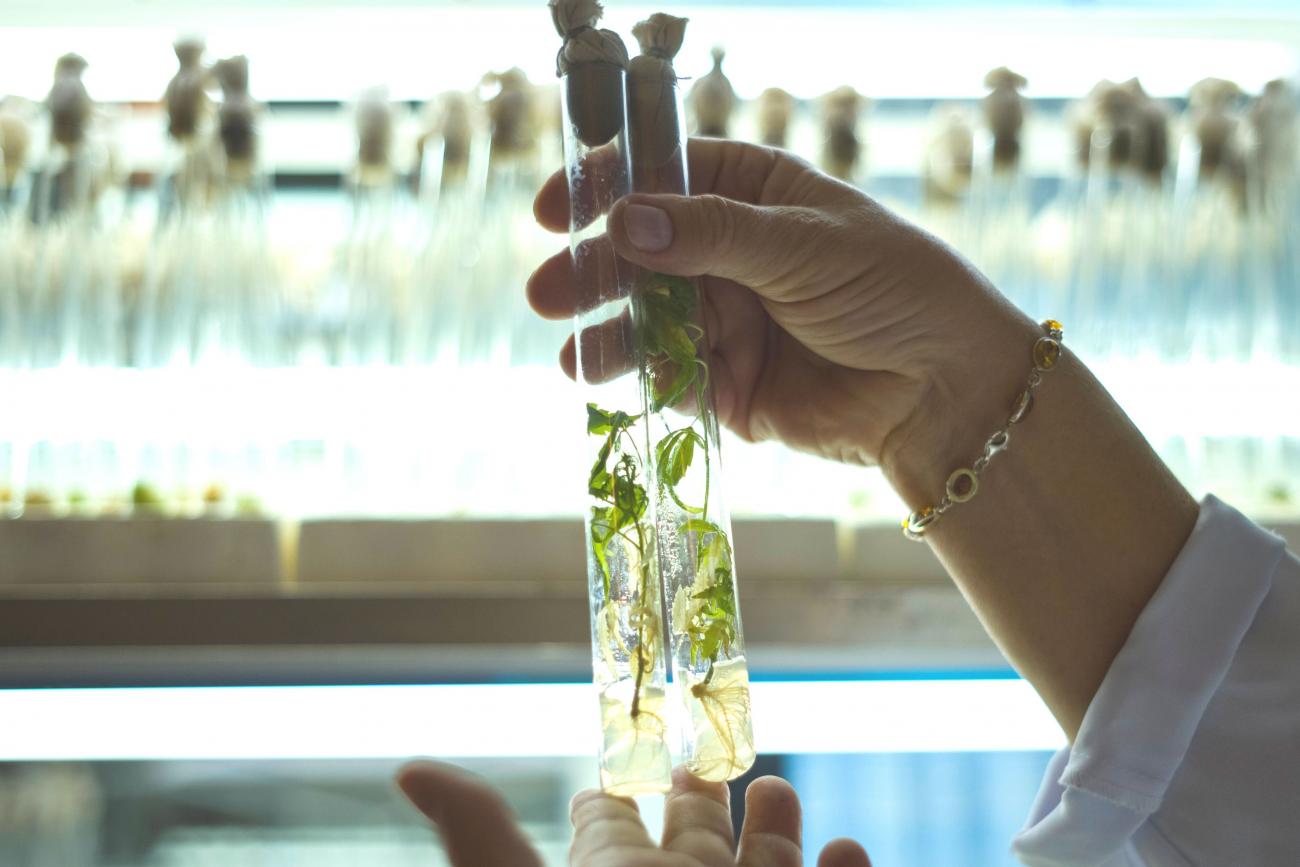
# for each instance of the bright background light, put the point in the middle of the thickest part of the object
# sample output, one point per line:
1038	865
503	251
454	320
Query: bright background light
331	50
485	721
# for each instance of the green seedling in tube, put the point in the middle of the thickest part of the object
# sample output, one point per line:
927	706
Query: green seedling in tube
693	526
624	585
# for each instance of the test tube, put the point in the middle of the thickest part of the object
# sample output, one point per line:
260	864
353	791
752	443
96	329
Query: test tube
696	557
622	564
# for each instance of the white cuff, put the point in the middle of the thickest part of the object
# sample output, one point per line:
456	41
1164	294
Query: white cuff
1097	796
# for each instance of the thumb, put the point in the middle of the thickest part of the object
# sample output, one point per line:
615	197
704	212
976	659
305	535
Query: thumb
477	828
763	247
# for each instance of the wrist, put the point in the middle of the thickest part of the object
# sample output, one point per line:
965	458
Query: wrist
967	396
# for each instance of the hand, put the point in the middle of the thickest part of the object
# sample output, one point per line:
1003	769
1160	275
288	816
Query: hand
834	325
479	830
840	329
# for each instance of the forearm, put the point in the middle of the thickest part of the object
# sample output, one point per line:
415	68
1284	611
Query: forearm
1073	526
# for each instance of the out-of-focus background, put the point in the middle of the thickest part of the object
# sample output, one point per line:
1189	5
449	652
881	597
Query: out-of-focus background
291	485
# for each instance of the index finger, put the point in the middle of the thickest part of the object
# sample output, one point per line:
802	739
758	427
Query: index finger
735	170
477	827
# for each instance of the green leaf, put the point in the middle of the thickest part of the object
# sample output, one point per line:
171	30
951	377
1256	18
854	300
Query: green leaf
603	524
598	421
711	639
673	458
602	531
674	454
629	496
714	628
721	594
679	461
668	308
616	486
669	336
599	482
713	553
670	391
610	425
673	294
676	343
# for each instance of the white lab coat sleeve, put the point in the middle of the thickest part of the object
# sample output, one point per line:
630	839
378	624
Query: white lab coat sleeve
1189	753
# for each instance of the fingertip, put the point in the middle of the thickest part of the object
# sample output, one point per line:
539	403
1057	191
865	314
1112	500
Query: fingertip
417	772
772	808
413	769
551	205
595	796
581	799
550	288
597	817
428	785
843	853
569	359
686	783
772	789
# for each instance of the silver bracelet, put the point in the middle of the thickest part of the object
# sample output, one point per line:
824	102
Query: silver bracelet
964	483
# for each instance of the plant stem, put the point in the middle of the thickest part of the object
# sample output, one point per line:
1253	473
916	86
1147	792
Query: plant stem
699	404
624	474
640	626
636	689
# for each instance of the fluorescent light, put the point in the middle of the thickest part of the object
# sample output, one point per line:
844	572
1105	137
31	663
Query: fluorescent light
301	53
515	720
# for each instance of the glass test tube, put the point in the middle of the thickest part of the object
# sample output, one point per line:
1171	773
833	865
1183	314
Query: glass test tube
623	575
694	526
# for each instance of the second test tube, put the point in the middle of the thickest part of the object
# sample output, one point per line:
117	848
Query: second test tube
692	522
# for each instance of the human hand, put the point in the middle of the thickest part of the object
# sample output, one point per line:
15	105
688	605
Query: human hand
842	330
479	830
834	325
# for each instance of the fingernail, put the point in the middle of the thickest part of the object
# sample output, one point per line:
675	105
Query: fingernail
648	228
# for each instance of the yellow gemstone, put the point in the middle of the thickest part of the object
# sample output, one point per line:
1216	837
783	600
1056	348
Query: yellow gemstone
919	515
1053	325
1046	353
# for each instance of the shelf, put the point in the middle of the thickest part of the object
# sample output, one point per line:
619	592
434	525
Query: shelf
44	551
232	635
41	555
465	630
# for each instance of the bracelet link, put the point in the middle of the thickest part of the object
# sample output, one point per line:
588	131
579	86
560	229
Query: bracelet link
963	482
915	524
1024	404
962	485
998	442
